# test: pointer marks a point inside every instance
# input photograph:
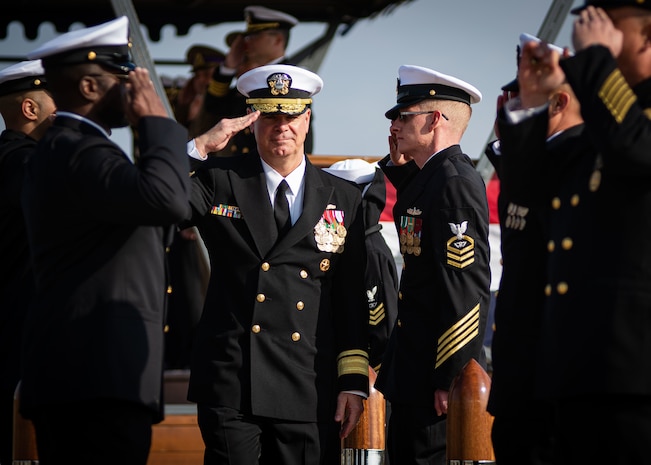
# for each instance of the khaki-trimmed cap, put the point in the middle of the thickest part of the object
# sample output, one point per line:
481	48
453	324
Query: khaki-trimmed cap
260	18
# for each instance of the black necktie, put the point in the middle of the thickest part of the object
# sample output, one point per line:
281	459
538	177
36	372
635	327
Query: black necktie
281	210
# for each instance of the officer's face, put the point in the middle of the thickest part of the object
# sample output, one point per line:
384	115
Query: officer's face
281	136
412	131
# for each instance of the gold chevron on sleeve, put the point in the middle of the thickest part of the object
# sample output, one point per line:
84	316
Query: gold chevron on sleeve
375	317
460	257
617	95
218	89
352	362
460	334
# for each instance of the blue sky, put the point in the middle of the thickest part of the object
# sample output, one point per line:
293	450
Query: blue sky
473	40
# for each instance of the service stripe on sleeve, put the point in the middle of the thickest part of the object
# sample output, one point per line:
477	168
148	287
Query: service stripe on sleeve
460	334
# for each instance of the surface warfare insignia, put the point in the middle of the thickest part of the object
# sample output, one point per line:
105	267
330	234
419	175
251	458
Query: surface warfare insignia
410	232
279	83
460	249
229	211
330	232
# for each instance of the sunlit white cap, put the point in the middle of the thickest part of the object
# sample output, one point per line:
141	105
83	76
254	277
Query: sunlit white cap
524	40
353	169
416	83
106	44
279	88
26	75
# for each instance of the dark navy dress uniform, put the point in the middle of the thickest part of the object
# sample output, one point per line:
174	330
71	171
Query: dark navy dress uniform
16	279
284	326
522	428
595	328
274	311
441	214
96	329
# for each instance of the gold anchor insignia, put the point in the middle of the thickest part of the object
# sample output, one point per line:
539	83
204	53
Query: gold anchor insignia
279	83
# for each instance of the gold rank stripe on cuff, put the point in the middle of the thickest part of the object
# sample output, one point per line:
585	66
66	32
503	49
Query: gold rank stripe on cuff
617	95
352	362
455	338
218	89
376	316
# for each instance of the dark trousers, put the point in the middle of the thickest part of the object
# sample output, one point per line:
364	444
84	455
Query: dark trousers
233	438
416	436
606	428
524	436
101	432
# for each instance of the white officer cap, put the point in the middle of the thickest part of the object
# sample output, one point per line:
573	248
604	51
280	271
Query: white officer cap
416	84
283	89
260	18
106	44
26	75
524	40
353	169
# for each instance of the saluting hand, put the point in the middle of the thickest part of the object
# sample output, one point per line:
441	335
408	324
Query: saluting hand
594	27
539	73
218	136
141	98
397	158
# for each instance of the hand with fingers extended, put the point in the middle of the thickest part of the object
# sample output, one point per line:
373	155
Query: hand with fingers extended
539	73
594	27
397	158
218	136
141	98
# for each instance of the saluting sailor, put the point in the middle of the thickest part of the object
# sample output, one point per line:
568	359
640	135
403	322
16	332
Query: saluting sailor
282	342
441	214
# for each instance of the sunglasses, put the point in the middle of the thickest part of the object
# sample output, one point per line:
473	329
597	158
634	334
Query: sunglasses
403	115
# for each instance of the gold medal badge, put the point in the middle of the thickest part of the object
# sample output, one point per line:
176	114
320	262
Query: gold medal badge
330	232
410	235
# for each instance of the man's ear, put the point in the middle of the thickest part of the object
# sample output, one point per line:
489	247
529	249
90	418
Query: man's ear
30	109
559	102
89	88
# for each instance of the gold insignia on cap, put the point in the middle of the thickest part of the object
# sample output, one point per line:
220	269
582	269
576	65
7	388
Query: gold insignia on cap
432	92
37	82
290	106
279	83
92	55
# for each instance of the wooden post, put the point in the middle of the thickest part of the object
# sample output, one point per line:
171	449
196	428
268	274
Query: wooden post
24	443
365	444
468	423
